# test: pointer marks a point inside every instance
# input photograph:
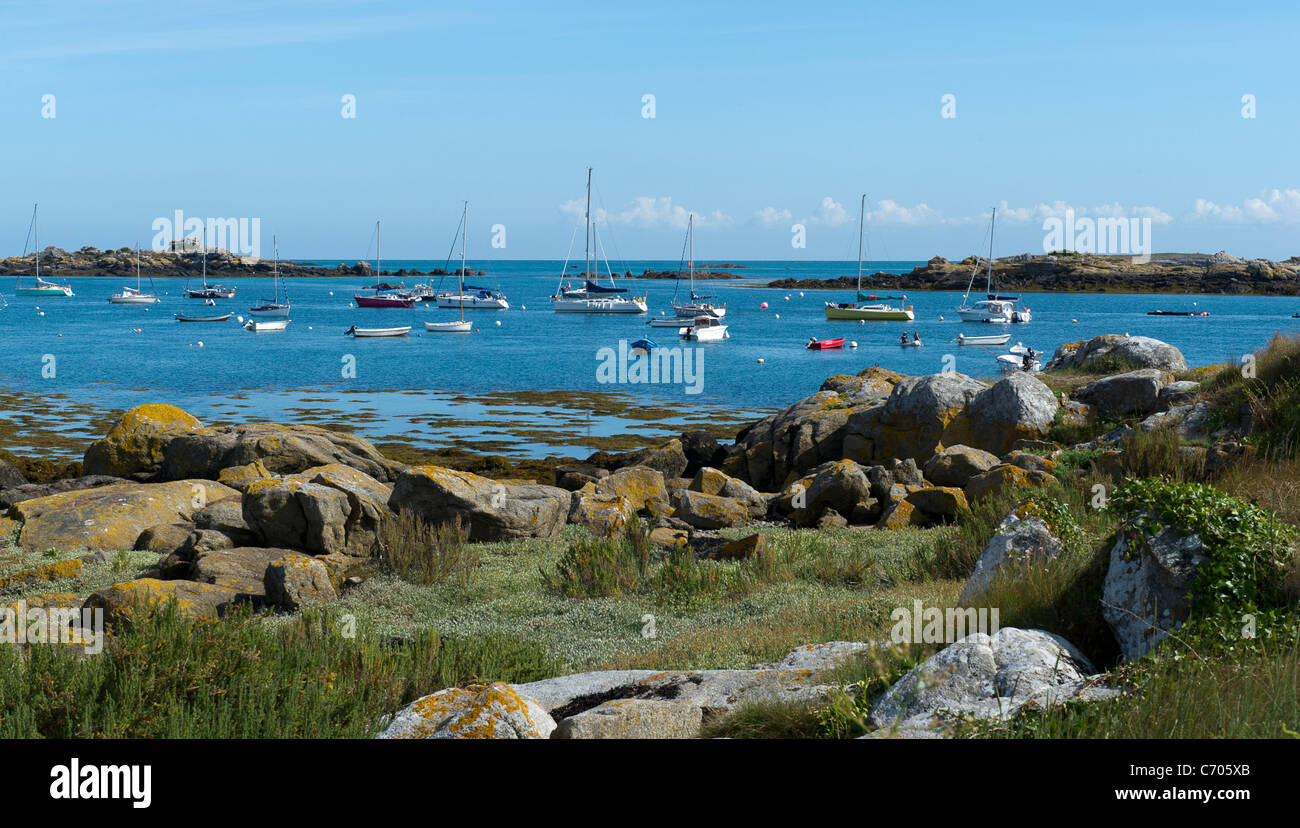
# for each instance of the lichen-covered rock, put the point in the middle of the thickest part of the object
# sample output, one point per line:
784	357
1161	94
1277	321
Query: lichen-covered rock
1110	351
53	571
1135	392
490	510
634	719
956	465
988	677
710	511
918	413
1146	590
709	481
293	581
479	711
33	491
604	515
161	442
111	517
750	546
242	569
1005	476
669	459
898	515
367	503
641	486
137	443
240	478
1019	543
574	477
1029	461
124	601
291	513
939	503
165	538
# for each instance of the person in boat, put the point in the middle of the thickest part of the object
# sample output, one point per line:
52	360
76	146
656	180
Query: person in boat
916	337
1027	359
902	340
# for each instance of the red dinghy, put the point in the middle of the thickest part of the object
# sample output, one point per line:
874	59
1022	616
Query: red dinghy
815	344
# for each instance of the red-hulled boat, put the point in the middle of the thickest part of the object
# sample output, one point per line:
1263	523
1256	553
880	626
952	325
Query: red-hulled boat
381	301
816	344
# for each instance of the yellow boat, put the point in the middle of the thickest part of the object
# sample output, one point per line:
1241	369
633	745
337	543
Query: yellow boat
877	313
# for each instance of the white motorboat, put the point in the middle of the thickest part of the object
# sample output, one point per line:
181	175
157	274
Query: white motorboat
705	329
366	333
484	298
263	325
592	297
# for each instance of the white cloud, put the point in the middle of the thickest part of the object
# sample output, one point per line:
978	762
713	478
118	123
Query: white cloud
647	212
1057	209
1277	206
891	212
770	216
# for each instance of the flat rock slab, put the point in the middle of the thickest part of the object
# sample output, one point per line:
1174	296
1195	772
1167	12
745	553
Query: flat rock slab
479	711
111	517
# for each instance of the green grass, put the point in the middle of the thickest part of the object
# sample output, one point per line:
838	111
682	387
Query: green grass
1251	695
166	677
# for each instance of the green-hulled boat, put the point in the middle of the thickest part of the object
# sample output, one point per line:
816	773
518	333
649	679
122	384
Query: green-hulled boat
867	307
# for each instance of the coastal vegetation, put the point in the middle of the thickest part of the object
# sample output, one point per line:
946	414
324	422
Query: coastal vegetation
746	588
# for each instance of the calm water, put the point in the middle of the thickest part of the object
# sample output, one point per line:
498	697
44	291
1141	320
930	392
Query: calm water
116	356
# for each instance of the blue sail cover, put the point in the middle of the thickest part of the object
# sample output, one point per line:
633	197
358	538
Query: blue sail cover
998	298
592	287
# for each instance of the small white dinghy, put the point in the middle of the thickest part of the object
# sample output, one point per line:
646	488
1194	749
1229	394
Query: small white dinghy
359	333
667	322
1020	358
180	317
263	325
449	327
996	339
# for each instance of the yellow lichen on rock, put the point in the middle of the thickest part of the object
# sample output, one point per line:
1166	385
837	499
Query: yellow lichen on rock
477	711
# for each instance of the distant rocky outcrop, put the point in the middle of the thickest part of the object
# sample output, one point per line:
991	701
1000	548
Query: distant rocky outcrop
1088	273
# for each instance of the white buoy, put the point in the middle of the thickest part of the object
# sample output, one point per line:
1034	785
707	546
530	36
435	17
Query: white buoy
239	319
862	321
801	294
1075	321
309	327
331	293
853	344
940	318
498	323
760	360
200	343
40	313
523	307
778	316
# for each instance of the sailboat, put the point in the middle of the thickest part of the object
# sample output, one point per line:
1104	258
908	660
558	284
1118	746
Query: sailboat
859	308
592	297
994	309
42	286
463	325
135	296
696	306
379	299
274	309
209	291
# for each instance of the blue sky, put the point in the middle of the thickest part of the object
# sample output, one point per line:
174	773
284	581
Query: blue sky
766	115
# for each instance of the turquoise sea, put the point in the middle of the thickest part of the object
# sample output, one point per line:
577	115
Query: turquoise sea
64	356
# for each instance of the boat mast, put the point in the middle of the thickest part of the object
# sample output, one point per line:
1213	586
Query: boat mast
36	241
988	287
464	241
587	258
690	260
379	248
205	257
862	215
137	267
275	255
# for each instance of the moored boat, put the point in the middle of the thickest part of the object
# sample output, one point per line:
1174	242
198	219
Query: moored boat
43	287
992	339
263	325
180	317
362	333
815	344
273	308
135	296
705	329
592	297
862	308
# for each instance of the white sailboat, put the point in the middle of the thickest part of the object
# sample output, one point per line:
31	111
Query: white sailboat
592	297
42	287
274	309
993	309
208	292
859	307
696	306
463	325
135	296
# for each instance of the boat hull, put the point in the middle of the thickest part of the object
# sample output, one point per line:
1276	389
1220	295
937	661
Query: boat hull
1001	339
382	302
375	333
270	312
711	334
490	303
449	327
180	317
565	305
869	314
36	291
270	325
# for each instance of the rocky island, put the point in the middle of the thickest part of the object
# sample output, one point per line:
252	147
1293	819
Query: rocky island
1085	273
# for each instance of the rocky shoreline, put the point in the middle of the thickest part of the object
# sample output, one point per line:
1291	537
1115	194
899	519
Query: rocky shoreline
1081	273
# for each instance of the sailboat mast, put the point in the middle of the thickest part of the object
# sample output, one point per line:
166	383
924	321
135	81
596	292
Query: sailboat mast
988	287
36	240
690	261
205	256
137	267
587	258
862	216
464	241
379	251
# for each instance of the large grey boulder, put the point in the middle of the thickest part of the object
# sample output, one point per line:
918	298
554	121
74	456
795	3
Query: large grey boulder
490	510
1145	594
1111	351
985	676
1019	407
914	419
1190	421
291	513
1134	392
634	719
1019	543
